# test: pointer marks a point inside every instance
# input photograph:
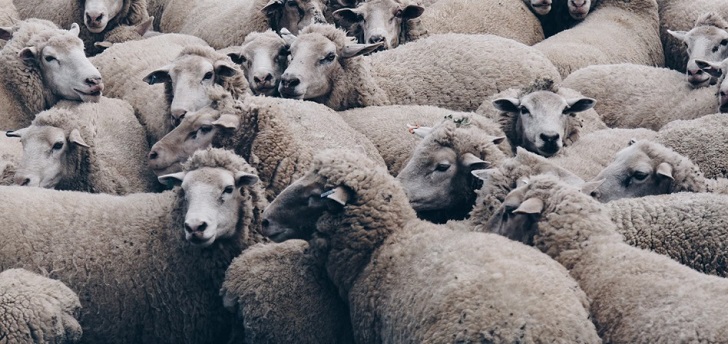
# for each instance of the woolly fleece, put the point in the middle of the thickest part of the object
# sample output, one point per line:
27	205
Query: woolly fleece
703	140
10	152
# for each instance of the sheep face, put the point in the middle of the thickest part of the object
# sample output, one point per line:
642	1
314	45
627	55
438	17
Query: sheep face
196	132
707	43
98	13
542	119
540	7
263	58
379	20
63	65
314	64
716	70
579	9
514	220
213	197
47	152
294	15
190	77
633	174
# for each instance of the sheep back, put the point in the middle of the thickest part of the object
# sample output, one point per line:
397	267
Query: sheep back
703	140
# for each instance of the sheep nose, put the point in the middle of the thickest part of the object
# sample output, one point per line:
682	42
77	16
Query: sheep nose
265	223
94	17
376	39
93	81
195	226
290	81
264	78
178	115
153	155
549	137
578	3
694	72
22	181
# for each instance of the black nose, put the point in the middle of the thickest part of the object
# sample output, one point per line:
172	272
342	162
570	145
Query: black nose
376	39
291	82
153	155
95	18
267	77
549	138
93	81
265	223
199	228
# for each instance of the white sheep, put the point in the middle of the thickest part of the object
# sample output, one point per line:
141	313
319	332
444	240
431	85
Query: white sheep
40	65
36	309
451	71
278	136
708	41
719	71
98	16
396	22
407	280
263	56
147	267
703	140
618	31
226	23
680	15
636	296
280	294
636	96
125	33
92	147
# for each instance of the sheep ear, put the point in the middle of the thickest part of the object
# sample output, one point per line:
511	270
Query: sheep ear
338	195
347	15
483	174
174	179
158	76
507	104
103	45
591	186
580	104
473	162
6	33
353	50
412	11
16	133
664	169
498	140
714	69
245	179
237	58
75	29
144	26
28	54
530	206
272	9
75	137
223	69
678	34
228	121
287	36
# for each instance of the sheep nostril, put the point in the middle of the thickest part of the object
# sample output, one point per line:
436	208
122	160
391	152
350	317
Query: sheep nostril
265	223
25	182
153	155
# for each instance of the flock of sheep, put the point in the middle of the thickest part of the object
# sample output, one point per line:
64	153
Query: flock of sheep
363	171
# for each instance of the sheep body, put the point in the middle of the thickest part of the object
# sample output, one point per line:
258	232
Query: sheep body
36	309
619	31
703	140
8	16
135	280
280	294
10	152
636	96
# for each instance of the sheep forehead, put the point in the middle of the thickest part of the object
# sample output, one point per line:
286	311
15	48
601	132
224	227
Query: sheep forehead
435	155
633	158
43	135
192	65
312	45
544	102
705	34
378	6
208	179
63	43
264	42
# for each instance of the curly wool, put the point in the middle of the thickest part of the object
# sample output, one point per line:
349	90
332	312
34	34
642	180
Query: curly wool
699	140
8	16
37	309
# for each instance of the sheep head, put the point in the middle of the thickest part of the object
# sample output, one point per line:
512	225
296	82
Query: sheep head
379	21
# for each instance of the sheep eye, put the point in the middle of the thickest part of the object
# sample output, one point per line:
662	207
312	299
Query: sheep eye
228	189
715	48
50	58
58	145
524	110
205	129
442	167
193	136
398	14
207	76
329	58
640	175
724	42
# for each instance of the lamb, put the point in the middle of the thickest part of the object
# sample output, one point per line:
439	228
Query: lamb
542	117
280	294
708	41
155	277
648	168
395	271
635	96
619	31
437	179
558	15
98	16
226	23
278	136
91	147
636	296
40	65
264	57
680	15
396	22
37	309
703	140
324	68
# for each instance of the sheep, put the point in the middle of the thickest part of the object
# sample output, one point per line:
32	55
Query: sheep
703	140
708	41
680	15
558	15
437	179
648	168
280	294
91	147
8	17
263	57
10	152
125	33
40	65
36	309
635	96
379	256
619	31
226	23
154	276
277	136
396	22
636	296
98	16
323	68
542	117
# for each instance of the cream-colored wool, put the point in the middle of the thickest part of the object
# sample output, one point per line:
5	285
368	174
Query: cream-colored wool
703	140
11	150
8	16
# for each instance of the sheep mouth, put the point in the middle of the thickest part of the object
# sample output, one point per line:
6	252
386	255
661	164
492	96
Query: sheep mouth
549	150
92	96
290	94
724	108
201	242
161	171
266	90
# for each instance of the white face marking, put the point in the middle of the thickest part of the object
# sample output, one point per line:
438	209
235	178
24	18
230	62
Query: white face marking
213	205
